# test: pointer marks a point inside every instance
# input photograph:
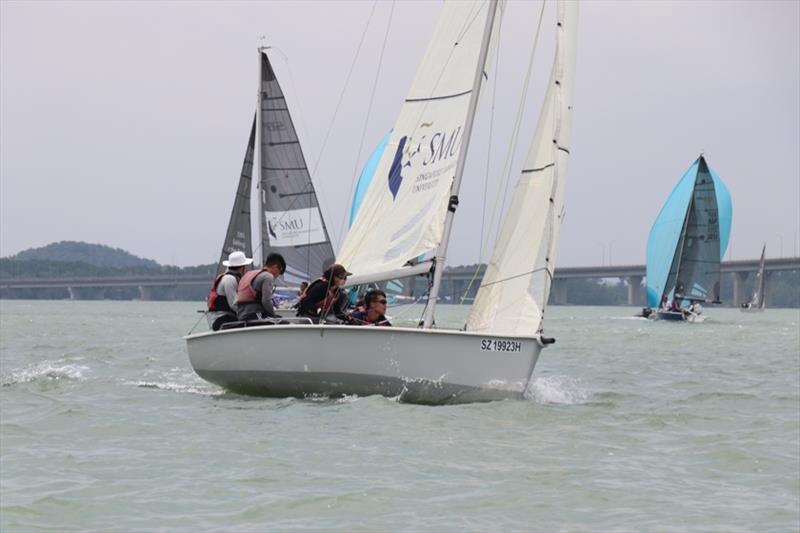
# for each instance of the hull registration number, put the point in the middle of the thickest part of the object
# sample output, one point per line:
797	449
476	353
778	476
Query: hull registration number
500	345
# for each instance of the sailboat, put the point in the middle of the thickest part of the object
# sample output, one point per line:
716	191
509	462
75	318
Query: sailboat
758	300
402	229
289	218
685	246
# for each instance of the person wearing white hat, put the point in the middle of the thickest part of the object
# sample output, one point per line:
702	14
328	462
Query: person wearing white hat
222	298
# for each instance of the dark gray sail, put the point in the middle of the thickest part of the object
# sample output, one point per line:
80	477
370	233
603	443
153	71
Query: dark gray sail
695	271
238	236
292	223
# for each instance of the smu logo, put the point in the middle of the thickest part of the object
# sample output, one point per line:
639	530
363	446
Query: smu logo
442	146
395	171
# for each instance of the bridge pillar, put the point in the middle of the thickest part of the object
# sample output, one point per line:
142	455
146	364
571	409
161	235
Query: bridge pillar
86	293
157	292
560	292
635	290
768	289
738	287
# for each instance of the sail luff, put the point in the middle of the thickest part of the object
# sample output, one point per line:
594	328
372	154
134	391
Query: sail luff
292	222
441	251
675	267
238	234
758	298
402	215
762	281
513	292
258	238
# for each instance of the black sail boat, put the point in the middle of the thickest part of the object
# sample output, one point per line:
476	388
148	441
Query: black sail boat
289	218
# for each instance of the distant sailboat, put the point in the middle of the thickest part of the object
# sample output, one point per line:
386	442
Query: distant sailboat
686	244
289	216
758	300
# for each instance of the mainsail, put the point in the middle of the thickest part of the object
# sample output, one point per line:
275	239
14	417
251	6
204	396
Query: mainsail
291	221
403	212
516	285
237	238
689	238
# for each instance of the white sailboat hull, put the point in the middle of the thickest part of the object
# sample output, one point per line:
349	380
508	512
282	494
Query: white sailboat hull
416	365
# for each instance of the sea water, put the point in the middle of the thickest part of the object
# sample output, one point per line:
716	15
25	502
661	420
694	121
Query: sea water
629	425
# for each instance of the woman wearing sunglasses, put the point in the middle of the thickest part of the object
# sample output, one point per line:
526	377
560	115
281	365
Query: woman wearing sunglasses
372	314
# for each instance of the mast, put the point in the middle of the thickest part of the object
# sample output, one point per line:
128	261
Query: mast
258	249
441	251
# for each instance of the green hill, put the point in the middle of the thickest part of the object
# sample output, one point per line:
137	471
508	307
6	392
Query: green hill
81	252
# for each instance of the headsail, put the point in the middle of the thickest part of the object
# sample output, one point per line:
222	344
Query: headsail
403	212
292	223
516	285
689	238
238	236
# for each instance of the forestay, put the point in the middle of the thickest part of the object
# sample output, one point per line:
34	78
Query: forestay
403	212
291	221
238	236
516	285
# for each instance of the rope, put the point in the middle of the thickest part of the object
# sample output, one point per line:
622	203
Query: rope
369	112
505	174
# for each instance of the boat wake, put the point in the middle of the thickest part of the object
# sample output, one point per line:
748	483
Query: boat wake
46	371
560	390
190	388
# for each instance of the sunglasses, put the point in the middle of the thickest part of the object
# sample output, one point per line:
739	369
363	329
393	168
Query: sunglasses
380	302
341	277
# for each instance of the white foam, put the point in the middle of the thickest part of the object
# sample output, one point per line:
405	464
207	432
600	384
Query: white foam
50	370
179	387
557	390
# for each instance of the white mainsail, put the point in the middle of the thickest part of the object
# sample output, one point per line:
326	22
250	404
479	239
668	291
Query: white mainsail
403	212
516	285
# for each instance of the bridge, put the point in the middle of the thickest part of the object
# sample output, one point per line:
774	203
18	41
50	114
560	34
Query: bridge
455	281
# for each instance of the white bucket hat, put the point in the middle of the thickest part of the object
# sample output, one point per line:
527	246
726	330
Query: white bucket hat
237	259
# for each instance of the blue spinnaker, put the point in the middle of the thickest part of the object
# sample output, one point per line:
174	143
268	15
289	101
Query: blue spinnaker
682	254
366	177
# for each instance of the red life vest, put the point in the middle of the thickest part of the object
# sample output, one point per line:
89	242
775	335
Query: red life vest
216	301
247	294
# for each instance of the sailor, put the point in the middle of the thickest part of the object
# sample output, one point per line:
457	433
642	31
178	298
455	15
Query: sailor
222	296
254	298
372	313
326	296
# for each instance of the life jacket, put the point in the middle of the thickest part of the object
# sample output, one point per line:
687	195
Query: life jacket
325	304
246	293
216	301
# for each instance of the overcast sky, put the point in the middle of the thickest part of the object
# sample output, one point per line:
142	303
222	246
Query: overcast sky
125	123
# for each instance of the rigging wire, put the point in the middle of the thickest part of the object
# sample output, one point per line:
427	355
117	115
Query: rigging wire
505	174
425	101
344	87
515	131
484	241
369	112
313	172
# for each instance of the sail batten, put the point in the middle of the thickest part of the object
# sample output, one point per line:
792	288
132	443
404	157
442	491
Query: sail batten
292	222
238	236
516	285
402	214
